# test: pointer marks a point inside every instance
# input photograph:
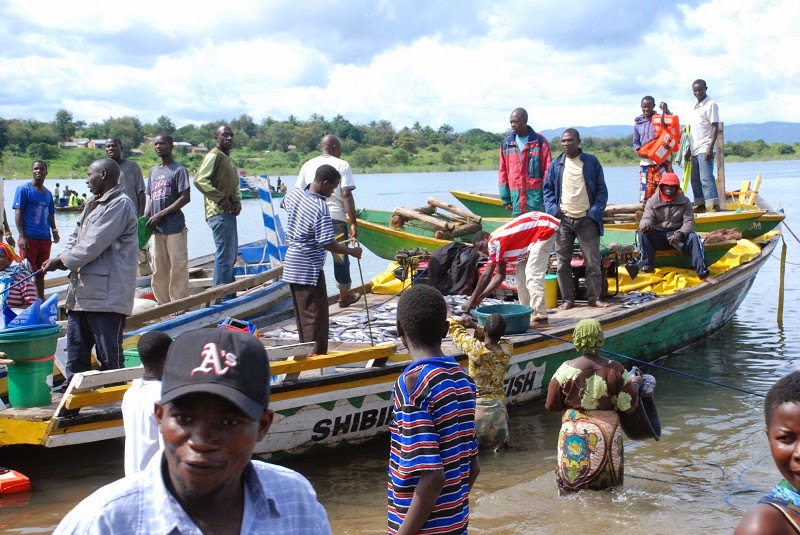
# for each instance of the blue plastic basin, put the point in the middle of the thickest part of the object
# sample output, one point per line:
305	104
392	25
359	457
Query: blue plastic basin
518	317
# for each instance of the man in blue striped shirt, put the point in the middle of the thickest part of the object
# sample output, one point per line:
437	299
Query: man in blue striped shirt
309	232
433	460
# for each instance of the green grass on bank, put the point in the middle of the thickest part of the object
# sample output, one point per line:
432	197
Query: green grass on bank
73	163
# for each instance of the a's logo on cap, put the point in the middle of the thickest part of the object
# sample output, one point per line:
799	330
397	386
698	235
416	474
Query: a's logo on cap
213	361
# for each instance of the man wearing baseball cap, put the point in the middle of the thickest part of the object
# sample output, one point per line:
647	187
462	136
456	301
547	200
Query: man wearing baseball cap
668	222
213	411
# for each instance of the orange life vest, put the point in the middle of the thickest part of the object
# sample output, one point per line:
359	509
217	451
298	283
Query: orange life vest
667	130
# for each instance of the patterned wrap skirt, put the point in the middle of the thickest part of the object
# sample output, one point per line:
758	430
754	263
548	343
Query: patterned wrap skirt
491	423
590	453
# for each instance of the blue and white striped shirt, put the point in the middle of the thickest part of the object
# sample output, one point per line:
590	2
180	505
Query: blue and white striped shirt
276	500
308	228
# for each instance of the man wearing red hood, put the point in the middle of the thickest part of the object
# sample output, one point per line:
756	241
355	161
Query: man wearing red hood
668	222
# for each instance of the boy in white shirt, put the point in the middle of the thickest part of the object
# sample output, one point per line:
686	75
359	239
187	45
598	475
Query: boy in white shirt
142	439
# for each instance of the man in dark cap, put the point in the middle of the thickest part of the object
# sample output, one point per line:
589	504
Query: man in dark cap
213	411
668	222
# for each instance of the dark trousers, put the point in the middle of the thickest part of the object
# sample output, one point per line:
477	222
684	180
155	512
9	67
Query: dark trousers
656	240
588	234
311	313
101	330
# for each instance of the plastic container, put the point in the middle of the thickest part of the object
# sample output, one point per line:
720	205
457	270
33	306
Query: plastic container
30	344
12	481
27	383
518	317
131	357
551	290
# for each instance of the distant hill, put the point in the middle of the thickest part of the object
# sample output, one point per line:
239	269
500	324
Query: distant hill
771	132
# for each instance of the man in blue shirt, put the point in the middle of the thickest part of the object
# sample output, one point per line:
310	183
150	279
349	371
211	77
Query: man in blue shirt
213	411
35	215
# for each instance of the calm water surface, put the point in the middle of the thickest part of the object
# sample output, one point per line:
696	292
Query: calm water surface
711	462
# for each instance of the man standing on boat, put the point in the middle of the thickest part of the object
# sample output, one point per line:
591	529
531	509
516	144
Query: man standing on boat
643	132
704	124
341	205
132	183
169	189
214	409
524	159
575	192
668	222
218	181
101	257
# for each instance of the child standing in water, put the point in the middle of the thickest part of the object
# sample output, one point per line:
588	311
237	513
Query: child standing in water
779	511
488	354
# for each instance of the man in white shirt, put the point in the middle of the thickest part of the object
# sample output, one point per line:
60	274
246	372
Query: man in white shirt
341	206
704	123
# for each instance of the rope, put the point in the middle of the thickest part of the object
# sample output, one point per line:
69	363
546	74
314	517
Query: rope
684	374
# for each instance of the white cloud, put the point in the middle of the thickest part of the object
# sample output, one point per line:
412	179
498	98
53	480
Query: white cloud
407	62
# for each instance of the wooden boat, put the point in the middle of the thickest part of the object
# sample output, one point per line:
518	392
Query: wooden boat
377	235
622	216
75	209
345	398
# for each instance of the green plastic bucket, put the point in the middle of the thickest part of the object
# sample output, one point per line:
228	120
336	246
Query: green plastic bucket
518	317
27	383
29	345
131	358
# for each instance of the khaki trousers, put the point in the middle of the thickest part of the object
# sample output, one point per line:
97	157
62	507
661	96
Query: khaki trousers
530	276
170	267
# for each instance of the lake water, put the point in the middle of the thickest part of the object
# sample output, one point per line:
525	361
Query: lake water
712	460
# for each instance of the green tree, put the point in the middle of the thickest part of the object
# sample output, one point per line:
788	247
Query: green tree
64	125
165	125
128	129
344	129
43	151
3	133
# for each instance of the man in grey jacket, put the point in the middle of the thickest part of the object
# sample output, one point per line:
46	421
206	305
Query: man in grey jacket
101	256
668	222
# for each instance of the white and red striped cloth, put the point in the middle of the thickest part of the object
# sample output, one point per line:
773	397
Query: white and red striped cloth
512	242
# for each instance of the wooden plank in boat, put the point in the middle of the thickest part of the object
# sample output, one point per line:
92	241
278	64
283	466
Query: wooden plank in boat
93	379
89	415
100	396
283	352
336	359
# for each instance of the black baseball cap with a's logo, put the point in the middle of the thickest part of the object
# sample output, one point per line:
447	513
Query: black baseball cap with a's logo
222	362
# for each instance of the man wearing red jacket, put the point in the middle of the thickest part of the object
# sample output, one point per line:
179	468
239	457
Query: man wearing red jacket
524	159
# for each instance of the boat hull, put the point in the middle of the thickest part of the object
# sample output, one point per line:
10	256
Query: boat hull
353	407
481	204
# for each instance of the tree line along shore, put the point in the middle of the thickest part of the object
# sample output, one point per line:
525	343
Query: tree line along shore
280	147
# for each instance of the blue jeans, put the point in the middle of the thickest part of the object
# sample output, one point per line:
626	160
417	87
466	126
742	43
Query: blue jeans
656	240
226	240
341	263
704	188
101	330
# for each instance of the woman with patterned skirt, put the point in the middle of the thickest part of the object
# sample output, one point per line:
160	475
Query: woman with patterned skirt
590	390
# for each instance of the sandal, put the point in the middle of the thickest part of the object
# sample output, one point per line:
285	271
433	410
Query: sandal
352	298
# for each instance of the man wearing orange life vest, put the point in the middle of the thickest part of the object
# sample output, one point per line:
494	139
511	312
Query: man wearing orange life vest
524	159
643	132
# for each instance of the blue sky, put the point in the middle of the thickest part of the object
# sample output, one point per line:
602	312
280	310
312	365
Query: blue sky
466	63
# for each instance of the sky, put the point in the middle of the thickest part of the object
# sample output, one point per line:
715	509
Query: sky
466	63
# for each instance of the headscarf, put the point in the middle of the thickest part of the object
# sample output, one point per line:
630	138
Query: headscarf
588	337
669	179
9	252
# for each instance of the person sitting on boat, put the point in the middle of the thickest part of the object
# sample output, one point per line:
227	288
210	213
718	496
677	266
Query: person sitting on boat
214	409
668	222
142	439
590	390
525	241
524	159
433	460
23	292
779	511
643	132
309	233
64	199
453	268
101	257
488	354
73	199
82	200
